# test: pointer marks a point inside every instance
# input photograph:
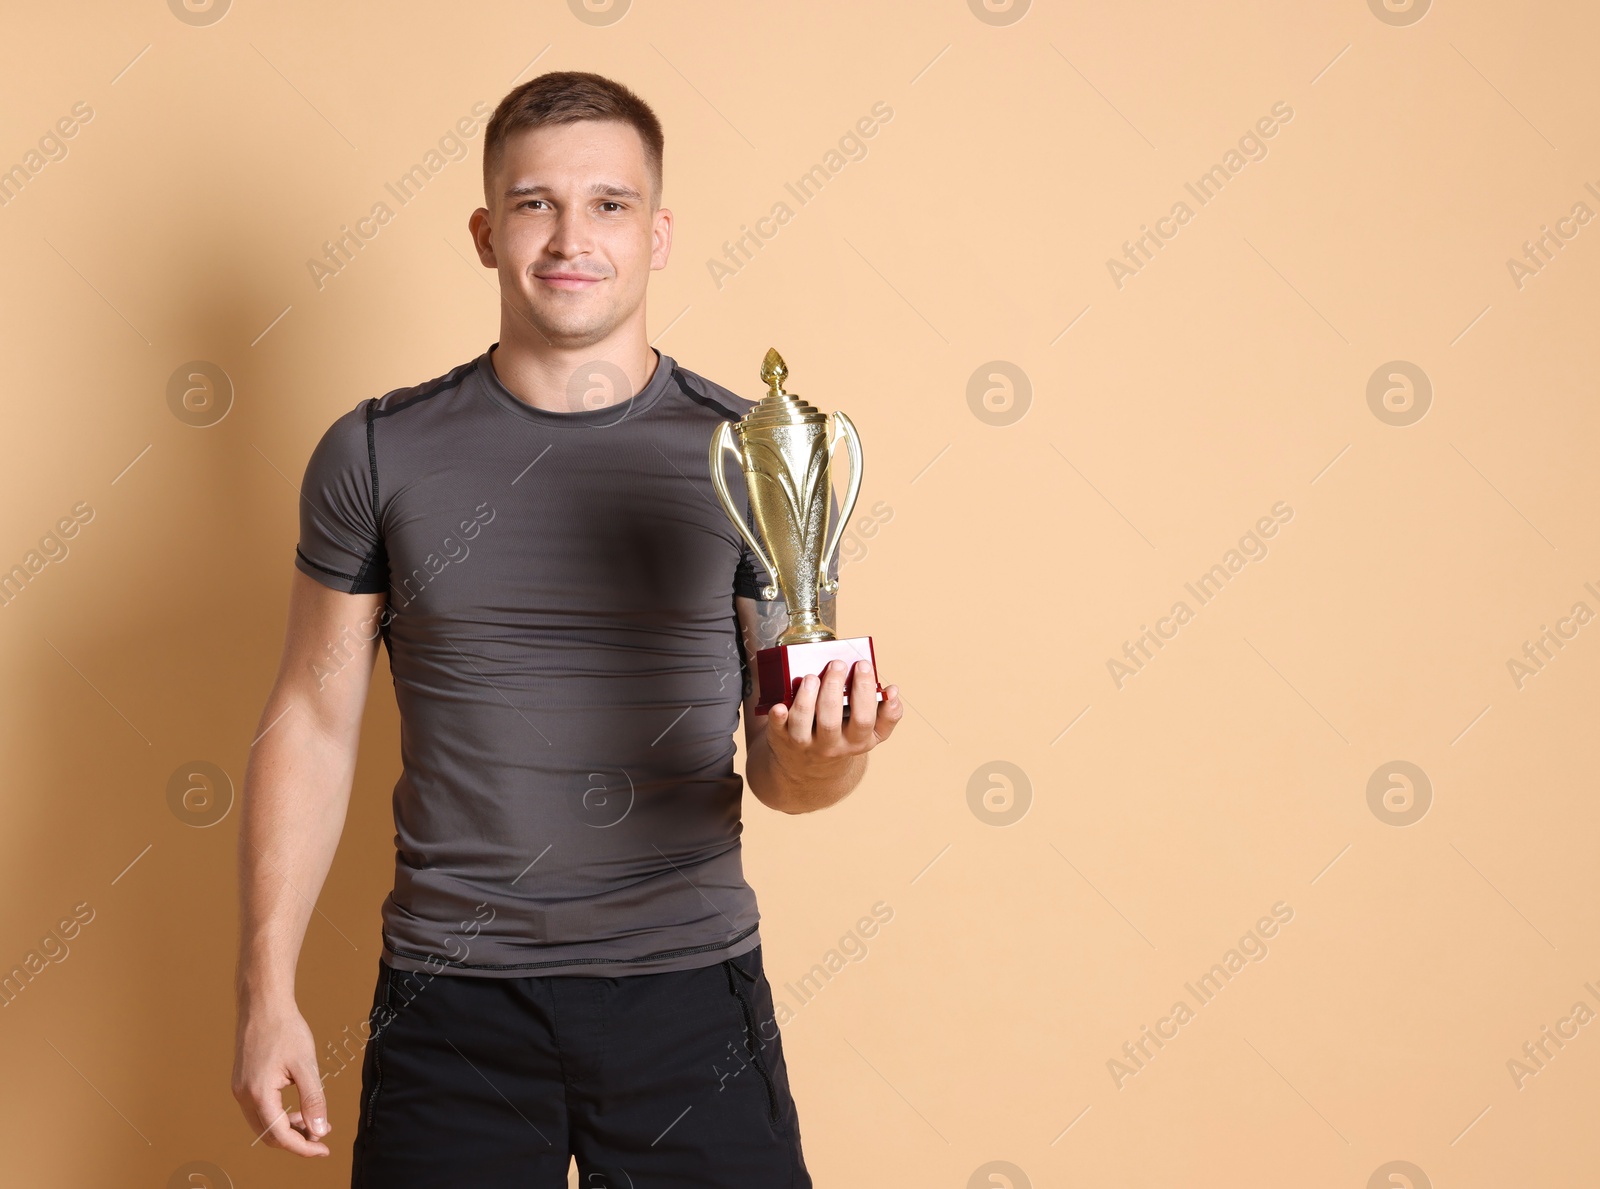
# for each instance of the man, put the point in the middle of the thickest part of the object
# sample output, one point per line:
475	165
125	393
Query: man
571	961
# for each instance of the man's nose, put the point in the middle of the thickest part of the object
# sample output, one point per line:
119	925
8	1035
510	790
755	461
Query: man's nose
569	236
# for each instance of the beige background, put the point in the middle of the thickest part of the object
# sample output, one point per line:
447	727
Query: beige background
1161	420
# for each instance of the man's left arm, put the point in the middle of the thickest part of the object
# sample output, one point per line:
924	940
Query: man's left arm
805	757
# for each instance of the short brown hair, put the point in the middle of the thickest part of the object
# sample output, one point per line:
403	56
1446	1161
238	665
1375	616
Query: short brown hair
565	97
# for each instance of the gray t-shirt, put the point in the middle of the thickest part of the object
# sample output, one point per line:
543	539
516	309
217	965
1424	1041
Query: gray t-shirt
567	665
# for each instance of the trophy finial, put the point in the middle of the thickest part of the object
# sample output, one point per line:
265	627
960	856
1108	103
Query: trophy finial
773	371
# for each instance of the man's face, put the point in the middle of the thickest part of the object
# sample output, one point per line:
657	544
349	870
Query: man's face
571	230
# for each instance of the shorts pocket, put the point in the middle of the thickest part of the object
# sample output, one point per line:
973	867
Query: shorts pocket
378	1022
743	972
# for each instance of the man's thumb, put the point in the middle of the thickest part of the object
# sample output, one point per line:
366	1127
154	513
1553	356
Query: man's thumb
313	1102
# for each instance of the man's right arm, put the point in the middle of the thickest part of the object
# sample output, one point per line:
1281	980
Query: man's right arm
296	791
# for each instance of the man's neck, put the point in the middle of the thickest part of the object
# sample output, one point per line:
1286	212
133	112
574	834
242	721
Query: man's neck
553	378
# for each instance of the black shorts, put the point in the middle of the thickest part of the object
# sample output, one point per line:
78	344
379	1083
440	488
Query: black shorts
651	1081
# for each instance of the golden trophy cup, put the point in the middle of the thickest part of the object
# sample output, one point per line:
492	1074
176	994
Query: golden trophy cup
785	447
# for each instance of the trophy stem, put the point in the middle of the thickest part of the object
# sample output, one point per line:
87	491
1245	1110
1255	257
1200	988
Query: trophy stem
805	627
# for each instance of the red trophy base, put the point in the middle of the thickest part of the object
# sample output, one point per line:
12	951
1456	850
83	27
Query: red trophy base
781	669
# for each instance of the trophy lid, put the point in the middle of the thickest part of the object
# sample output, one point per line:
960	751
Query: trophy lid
778	407
773	370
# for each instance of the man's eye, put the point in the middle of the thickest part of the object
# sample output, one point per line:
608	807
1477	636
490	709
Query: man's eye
618	205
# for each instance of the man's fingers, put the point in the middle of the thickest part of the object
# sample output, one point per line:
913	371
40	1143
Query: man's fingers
313	1102
802	711
890	713
298	1122
276	1130
830	700
818	708
858	731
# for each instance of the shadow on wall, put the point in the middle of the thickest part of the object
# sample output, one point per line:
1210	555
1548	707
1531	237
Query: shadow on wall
142	656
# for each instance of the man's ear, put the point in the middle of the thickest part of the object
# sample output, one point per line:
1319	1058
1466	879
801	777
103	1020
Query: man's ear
480	225
661	238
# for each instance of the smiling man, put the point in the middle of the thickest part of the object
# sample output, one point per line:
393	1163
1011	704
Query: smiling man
571	958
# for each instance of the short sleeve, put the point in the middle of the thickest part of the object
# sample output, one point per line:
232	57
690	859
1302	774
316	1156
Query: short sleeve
751	575
341	545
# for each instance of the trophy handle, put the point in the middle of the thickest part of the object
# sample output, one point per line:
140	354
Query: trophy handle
844	428
722	440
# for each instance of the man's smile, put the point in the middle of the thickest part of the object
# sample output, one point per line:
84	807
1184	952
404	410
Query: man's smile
565	279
